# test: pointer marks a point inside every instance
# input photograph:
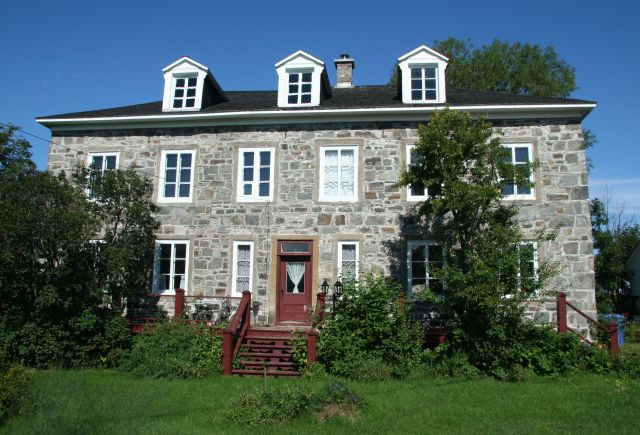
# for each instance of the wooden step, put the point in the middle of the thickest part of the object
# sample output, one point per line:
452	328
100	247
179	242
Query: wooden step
264	354
267	363
248	372
266	346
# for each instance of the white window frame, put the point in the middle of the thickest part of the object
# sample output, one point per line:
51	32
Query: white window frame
162	177
355	243
104	155
410	245
156	266
255	184
512	147
534	244
174	85
410	196
322	196
423	89
299	94
234	275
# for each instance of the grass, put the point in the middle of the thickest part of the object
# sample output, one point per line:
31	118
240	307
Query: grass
106	402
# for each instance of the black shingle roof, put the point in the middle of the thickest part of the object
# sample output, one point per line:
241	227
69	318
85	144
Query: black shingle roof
358	97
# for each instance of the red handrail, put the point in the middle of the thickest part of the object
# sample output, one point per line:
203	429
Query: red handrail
234	333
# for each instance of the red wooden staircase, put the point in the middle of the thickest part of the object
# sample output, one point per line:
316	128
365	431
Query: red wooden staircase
266	351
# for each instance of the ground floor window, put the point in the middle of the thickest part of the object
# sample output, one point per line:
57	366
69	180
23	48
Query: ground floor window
242	267
423	257
348	258
527	265
171	269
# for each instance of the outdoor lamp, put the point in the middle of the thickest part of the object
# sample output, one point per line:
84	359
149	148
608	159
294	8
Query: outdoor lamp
324	287
338	287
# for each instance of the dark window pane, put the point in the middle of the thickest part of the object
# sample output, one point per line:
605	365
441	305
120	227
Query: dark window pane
181	250
248	158
172	160
170	176
306	88
524	190
247	189
508	189
416	95
264	174
97	162
247	174
306	77
293	89
179	267
435	190
190	102
305	98
178	281
165	265
185	175
416	84
430	73
180	83
111	162
165	250
522	154
177	104
435	253
293	78
293	99
265	158
179	93
184	190
295	247
169	190
418	253
417	190
192	81
430	95
418	270
191	92
430	84
416	73
185	160
264	189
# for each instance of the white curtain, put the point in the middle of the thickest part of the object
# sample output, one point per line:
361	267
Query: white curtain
331	173
295	271
244	268
346	173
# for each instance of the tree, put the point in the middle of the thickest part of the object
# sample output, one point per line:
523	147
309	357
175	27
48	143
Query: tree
14	152
486	283
614	239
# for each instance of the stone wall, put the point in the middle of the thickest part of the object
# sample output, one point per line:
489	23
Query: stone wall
380	220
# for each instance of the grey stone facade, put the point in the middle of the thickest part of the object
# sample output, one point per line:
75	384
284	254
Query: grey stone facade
380	220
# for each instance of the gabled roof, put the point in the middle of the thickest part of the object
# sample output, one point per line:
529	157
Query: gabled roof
302	54
425	49
185	59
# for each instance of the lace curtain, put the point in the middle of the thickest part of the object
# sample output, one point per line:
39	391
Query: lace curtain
295	271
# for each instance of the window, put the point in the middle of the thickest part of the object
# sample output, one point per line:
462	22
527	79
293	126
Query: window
416	192
348	258
242	267
176	176
171	270
299	83
520	155
184	92
255	173
98	164
424	83
422	258
527	265
338	174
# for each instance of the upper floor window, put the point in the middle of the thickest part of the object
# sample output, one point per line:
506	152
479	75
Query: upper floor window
242	268
255	174
415	192
423	257
348	258
519	155
424	83
176	179
98	164
339	173
184	93
299	91
171	269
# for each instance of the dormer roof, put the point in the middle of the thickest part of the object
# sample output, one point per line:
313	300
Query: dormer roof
426	50
421	76
189	86
302	80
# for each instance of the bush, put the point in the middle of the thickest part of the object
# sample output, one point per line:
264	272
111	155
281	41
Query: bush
15	382
627	363
632	332
371	336
176	349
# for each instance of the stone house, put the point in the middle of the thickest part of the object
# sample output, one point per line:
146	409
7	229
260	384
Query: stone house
276	191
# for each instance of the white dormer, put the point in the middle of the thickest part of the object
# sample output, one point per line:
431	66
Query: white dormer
302	79
187	84
422	76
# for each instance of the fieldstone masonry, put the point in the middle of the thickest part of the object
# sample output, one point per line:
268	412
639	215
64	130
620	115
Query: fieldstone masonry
381	220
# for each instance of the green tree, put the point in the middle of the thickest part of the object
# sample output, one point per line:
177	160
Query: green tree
14	151
464	170
614	239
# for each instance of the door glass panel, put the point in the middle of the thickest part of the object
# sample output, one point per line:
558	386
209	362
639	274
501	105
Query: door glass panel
295	277
295	247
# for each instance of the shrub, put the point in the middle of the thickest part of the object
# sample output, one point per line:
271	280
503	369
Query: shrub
15	382
175	349
632	332
371	336
627	363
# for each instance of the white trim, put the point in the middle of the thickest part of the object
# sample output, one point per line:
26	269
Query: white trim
534	244
156	266
255	184
297	54
103	154
422	57
410	245
356	165
236	245
342	243
184	59
410	197
516	195
182	68
426	49
524	111
162	175
299	62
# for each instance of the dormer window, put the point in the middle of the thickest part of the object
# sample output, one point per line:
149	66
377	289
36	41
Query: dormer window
184	94
421	76
300	87
424	83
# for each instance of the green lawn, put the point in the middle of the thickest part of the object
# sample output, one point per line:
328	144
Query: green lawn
105	402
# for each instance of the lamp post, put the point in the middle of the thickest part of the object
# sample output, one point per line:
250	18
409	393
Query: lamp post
335	297
324	287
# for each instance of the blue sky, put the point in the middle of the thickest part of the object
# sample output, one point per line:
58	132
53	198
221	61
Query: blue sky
64	56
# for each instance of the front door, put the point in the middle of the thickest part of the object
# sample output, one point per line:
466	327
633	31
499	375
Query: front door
293	281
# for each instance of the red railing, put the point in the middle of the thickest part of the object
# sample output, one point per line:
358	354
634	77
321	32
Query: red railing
611	329
233	335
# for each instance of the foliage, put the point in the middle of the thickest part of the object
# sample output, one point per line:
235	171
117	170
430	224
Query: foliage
614	239
370	337
176	349
627	363
632	332
299	350
15	383
14	152
464	169
60	290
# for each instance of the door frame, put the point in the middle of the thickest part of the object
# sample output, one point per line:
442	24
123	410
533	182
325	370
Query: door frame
273	280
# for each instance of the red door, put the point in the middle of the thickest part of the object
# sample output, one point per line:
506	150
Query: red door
293	281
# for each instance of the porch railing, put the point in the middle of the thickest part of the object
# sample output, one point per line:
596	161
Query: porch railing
235	332
611	328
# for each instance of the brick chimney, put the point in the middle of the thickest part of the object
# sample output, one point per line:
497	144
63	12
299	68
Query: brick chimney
344	68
